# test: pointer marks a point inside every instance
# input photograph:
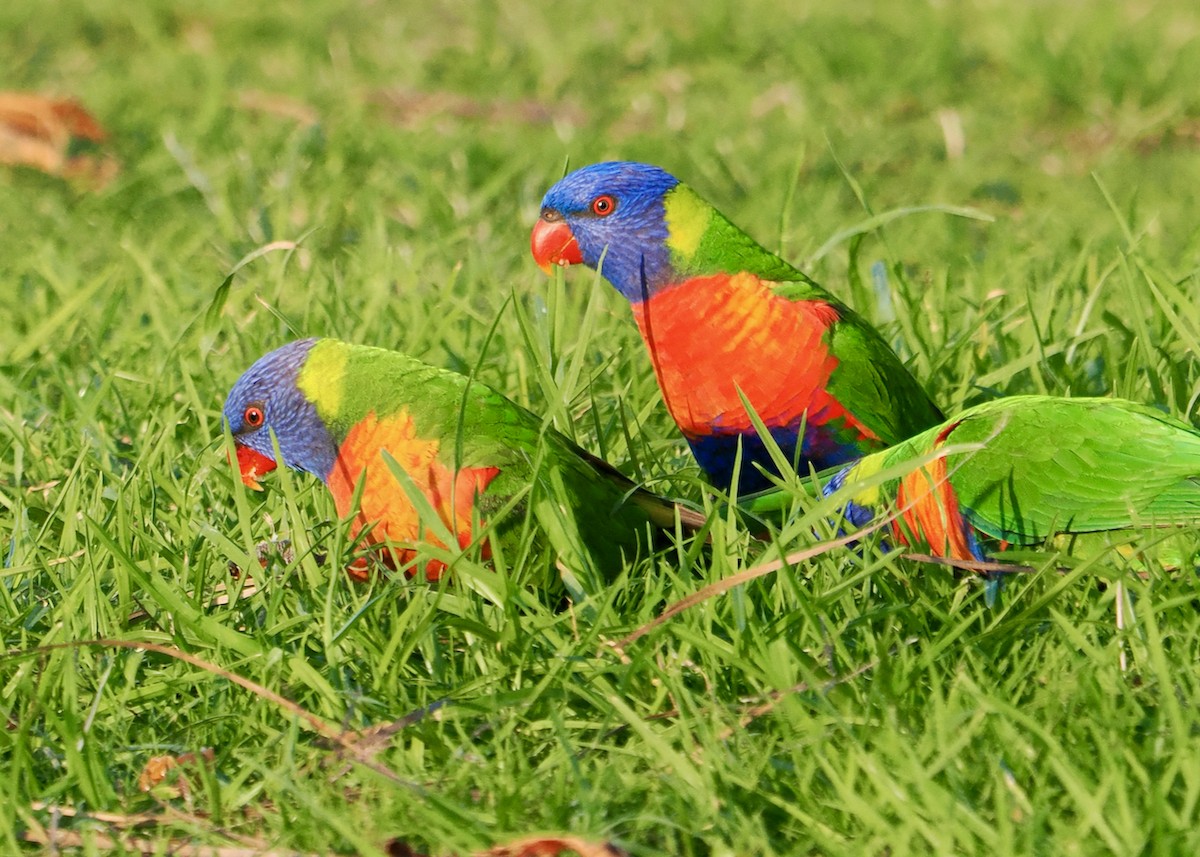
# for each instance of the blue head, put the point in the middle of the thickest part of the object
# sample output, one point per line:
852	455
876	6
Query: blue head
266	399
609	216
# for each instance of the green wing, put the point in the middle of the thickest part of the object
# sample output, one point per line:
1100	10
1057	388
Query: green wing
870	380
1073	466
874	384
592	515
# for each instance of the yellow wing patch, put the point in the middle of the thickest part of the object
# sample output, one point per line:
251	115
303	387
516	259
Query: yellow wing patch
865	469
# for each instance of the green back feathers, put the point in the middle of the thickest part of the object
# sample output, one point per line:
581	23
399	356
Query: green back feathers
346	383
885	396
1050	465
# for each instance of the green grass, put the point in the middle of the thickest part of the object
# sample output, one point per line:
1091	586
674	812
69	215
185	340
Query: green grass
847	705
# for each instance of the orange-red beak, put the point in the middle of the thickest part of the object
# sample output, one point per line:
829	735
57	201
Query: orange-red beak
552	243
253	466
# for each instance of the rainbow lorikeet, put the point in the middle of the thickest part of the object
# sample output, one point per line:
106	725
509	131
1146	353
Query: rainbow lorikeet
335	409
1027	469
721	315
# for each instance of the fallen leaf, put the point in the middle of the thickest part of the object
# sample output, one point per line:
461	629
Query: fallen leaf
158	767
93	841
410	107
552	846
274	104
532	846
117	819
54	135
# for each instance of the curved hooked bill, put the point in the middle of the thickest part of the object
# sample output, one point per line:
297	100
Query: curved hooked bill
253	465
553	243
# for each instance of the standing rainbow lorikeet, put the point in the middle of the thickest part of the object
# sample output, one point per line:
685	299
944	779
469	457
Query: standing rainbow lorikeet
1028	469
335	409
720	314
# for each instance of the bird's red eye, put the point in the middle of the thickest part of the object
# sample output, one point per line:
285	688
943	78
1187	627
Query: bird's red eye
253	417
602	206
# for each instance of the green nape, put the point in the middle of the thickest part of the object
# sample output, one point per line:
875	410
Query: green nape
349	382
885	394
703	241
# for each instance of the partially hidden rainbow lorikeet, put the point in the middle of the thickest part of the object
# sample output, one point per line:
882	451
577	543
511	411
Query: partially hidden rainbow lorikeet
335	409
1025	470
720	314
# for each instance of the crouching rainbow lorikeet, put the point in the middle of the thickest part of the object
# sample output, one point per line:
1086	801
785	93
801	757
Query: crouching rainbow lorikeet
336	409
720	314
1024	470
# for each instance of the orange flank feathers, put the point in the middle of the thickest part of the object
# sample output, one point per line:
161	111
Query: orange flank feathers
769	347
929	507
384	507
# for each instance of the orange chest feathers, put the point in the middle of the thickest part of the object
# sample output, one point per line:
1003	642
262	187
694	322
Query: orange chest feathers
384	507
713	336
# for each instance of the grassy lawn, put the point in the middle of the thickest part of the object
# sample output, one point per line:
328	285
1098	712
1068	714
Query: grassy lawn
370	171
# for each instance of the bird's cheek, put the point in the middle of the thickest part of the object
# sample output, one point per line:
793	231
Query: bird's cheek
253	465
553	243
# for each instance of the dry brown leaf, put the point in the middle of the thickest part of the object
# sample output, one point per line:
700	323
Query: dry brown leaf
158	767
552	846
411	107
530	846
117	819
124	823
1180	134
265	552
90	840
54	135
275	104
